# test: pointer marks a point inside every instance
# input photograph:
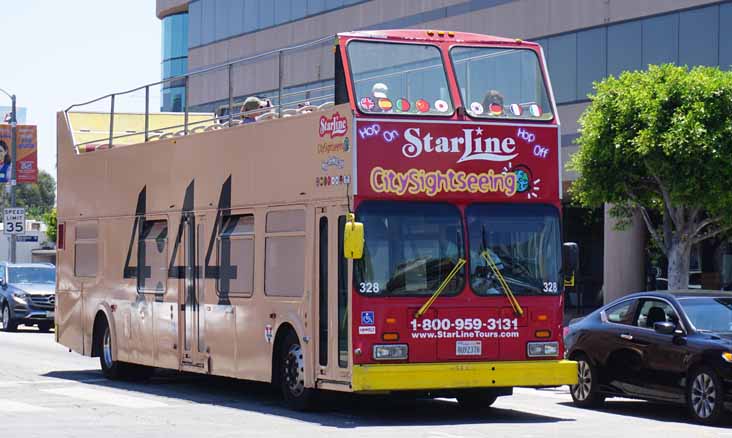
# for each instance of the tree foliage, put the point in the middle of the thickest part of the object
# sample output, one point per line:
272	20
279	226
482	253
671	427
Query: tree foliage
38	198
660	141
51	222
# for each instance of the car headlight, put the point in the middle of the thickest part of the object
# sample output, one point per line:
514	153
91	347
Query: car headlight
21	297
727	356
542	349
391	352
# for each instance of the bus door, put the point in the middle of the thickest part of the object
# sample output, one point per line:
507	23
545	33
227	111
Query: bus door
193	354
331	305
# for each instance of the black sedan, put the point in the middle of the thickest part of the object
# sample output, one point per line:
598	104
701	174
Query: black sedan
673	347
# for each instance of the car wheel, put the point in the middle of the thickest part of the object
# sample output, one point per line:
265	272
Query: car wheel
292	376
586	393
45	326
705	395
9	324
476	400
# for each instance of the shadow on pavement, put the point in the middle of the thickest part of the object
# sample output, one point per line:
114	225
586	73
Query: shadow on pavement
668	413
337	409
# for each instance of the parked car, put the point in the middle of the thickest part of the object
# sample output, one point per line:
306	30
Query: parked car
27	295
673	347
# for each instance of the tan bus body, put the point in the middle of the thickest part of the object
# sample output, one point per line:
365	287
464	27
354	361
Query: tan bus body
284	174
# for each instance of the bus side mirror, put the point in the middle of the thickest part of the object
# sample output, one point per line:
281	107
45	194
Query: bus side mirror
570	259
353	238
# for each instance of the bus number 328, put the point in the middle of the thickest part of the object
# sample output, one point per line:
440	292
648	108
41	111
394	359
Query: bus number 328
464	324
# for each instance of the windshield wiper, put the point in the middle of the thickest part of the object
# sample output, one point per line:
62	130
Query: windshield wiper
502	281
442	287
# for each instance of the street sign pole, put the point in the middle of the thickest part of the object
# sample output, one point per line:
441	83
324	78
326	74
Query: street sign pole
14	143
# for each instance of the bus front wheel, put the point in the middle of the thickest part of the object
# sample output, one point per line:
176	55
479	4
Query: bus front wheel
476	400
292	375
113	369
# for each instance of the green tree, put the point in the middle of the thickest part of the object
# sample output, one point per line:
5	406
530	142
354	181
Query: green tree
660	141
37	198
51	221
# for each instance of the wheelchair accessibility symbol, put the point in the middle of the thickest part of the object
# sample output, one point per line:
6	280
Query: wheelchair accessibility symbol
367	318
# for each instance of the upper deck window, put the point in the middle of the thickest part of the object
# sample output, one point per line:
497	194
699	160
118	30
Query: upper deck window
501	83
391	78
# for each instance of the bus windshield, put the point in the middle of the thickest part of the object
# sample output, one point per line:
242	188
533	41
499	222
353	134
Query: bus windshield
523	243
410	248
501	83
399	78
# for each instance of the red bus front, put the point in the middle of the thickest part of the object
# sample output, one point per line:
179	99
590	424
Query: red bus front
457	182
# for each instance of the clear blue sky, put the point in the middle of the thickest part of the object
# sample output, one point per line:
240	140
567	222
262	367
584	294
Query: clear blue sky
58	52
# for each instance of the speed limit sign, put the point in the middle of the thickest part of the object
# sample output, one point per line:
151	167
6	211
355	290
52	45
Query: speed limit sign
14	221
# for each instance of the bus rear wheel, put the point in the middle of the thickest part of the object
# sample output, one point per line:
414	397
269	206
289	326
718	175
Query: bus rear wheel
292	376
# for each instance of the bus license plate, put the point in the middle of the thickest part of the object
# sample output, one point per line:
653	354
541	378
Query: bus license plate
468	348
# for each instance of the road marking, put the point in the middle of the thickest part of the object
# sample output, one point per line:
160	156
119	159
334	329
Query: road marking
107	397
16	383
14	406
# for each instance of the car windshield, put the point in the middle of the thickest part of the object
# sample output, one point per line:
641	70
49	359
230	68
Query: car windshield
501	83
392	78
410	248
709	313
32	275
520	243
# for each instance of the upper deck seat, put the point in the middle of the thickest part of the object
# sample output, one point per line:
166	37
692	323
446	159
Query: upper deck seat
307	109
267	116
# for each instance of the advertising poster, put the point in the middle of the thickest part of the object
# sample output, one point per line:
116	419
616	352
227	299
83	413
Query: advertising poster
27	159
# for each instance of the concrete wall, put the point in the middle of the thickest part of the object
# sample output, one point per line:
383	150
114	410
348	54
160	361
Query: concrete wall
164	8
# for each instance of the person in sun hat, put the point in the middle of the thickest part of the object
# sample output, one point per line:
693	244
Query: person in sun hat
251	104
379	90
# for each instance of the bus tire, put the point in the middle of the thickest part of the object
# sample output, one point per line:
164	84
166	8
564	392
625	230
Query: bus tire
291	375
476	400
9	324
114	369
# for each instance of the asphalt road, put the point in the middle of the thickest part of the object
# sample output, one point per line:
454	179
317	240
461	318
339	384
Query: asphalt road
45	391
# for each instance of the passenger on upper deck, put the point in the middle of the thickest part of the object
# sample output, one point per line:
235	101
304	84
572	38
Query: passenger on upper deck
253	107
493	102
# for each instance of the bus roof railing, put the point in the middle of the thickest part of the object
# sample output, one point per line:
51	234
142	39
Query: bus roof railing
277	110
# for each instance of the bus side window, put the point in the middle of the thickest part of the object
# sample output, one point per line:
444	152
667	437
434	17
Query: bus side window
85	250
284	254
152	256
236	256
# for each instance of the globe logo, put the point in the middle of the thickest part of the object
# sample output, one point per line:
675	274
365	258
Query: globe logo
522	180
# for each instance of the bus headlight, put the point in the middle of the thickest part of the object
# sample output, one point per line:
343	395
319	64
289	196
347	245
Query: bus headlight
542	349
391	352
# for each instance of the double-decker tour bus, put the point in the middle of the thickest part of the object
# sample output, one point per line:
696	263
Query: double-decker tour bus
401	235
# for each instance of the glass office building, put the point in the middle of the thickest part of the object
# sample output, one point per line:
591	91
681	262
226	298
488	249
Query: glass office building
584	41
175	60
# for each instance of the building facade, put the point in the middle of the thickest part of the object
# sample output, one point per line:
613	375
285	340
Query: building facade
584	41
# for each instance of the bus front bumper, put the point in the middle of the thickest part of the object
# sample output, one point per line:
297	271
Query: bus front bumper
421	376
